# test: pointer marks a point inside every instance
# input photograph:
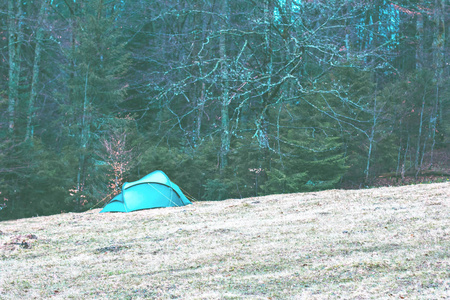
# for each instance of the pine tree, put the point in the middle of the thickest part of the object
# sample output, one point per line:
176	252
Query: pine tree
97	87
310	154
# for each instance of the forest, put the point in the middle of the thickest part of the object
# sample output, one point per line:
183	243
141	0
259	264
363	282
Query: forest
230	98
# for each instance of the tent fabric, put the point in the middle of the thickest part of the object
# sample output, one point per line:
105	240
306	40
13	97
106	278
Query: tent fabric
152	191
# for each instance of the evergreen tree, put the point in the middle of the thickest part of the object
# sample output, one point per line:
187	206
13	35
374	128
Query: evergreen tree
97	87
310	152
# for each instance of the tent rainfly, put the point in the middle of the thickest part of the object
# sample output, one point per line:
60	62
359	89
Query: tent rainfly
152	191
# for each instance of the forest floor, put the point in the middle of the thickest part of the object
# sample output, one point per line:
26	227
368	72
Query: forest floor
382	243
439	171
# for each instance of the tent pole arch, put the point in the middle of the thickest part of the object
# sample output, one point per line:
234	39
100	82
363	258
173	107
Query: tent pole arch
151	191
172	191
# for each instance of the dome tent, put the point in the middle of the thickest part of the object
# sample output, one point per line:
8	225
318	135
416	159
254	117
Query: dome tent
151	191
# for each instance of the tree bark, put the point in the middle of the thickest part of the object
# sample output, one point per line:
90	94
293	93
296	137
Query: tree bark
14	44
404	159
201	108
36	71
262	126
225	122
371	140
419	41
84	140
347	9
439	46
416	163
433	121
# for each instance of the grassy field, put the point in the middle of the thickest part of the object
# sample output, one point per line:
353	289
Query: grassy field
384	243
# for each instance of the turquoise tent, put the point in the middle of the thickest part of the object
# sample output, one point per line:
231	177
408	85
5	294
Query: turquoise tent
152	191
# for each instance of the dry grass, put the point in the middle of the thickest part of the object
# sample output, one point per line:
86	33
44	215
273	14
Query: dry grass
385	243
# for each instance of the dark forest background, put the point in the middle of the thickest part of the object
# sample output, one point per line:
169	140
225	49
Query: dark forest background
230	98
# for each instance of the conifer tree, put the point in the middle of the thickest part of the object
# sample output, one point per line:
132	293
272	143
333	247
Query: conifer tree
97	87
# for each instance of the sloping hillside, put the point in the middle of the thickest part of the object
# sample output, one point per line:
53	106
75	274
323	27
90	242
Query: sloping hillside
380	243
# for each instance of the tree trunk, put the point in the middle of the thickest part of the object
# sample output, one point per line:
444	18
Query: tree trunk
225	122
262	126
439	46
201	27
433	121
416	163
35	76
201	108
422	155
399	157
439	38
14	44
84	141
419	41
404	159
371	140
347	10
